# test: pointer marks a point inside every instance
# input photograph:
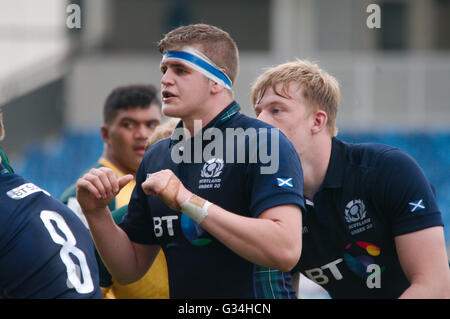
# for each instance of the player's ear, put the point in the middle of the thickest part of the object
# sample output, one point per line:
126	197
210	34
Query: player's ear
320	119
216	88
104	130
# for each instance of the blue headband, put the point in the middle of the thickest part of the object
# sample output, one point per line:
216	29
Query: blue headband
201	63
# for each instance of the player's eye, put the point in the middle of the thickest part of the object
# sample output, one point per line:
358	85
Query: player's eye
128	124
276	110
152	124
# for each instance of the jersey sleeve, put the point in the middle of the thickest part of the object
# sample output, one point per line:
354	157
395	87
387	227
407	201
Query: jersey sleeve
137	221
405	194
42	243
278	181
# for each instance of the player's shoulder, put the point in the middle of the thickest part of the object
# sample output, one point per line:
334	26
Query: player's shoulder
383	162
158	148
9	192
367	155
18	194
241	120
16	187
156	157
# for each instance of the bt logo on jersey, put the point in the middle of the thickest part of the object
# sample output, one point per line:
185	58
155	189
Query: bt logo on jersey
357	261
319	277
158	225
192	231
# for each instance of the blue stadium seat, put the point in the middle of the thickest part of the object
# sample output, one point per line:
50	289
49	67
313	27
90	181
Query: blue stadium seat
56	165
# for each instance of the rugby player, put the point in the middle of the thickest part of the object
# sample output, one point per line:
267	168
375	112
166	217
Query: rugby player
45	250
227	230
372	228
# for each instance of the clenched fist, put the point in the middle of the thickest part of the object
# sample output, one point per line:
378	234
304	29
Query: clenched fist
97	188
166	185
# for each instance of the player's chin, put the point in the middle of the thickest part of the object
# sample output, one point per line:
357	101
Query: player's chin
135	161
171	109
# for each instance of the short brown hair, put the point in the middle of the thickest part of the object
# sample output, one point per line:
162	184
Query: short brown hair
216	44
319	89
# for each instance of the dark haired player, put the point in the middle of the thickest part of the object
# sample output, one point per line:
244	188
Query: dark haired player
130	115
227	229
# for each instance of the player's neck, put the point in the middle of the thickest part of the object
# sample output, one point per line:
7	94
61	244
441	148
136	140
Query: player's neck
315	164
117	164
206	114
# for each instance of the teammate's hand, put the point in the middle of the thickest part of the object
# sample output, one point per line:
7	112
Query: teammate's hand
168	187
97	188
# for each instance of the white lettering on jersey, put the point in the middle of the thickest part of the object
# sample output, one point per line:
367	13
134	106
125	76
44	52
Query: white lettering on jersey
73	204
83	284
158	225
317	275
25	190
374	279
322	278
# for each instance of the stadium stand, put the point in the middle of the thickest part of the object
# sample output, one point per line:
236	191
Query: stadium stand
58	163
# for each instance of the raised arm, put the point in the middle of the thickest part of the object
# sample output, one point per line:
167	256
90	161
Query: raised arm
271	240
126	261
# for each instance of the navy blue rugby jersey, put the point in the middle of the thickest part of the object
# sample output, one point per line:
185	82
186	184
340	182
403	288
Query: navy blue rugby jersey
199	265
45	250
371	193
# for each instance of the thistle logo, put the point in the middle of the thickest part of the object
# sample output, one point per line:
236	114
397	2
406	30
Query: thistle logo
355	214
361	257
355	211
210	174
212	168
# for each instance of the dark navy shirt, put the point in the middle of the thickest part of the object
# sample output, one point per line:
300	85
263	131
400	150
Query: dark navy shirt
371	193
199	265
45	250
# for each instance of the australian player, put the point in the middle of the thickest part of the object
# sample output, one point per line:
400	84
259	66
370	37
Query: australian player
130	115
